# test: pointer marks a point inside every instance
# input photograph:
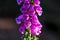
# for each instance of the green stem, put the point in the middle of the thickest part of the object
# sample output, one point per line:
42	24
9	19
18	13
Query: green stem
35	37
27	35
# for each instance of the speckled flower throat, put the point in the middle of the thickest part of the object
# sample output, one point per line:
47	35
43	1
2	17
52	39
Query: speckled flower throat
30	26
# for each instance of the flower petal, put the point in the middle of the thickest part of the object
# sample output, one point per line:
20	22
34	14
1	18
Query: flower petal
18	19
19	1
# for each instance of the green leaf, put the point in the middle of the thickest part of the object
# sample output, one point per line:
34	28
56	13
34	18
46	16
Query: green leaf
26	34
35	38
24	39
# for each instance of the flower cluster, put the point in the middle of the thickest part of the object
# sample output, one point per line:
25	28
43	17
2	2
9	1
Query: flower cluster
29	19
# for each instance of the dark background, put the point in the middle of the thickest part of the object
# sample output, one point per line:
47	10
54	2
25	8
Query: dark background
50	18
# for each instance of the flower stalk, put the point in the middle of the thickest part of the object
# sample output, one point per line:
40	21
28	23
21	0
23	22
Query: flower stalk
27	35
29	23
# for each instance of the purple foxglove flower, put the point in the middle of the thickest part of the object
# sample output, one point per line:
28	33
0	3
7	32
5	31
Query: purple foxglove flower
31	10
38	10
29	17
36	2
23	9
35	30
27	23
25	6
19	1
26	17
38	25
34	19
22	29
27	1
19	18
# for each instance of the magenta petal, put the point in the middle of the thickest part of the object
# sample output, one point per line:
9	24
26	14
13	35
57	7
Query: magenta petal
35	29
35	19
38	10
37	2
38	32
31	10
32	30
19	1
27	23
24	8
27	1
22	29
26	16
18	19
